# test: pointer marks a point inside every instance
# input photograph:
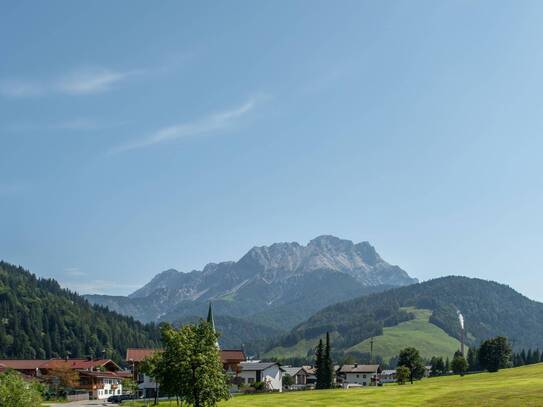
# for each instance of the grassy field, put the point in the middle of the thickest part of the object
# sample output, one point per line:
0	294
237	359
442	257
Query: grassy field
429	339
518	387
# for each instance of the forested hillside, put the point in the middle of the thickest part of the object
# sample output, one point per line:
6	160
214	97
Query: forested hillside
489	308
236	333
39	319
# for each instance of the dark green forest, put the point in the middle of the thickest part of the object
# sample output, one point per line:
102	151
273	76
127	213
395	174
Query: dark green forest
39	319
490	309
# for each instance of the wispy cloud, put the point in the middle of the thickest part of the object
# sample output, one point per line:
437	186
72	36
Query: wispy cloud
210	124
74	272
91	81
101	287
80	82
75	124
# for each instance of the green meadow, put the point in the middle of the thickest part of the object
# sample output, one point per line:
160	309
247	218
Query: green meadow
419	333
518	387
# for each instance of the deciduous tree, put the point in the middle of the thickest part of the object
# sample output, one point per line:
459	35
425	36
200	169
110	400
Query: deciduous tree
459	364
410	358
16	392
402	374
495	354
189	366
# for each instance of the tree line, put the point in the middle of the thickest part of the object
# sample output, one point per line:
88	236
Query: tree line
41	320
528	357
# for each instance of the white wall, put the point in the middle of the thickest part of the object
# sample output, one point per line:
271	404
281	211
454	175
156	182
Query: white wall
272	375
108	390
360	378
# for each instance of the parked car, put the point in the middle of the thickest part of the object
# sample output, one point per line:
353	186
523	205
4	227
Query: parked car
120	398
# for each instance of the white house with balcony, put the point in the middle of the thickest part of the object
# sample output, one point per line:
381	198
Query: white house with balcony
270	373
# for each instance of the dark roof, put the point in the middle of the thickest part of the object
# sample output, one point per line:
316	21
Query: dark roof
293	371
358	369
254	366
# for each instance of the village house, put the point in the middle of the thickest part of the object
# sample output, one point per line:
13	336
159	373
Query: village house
100	378
298	374
27	367
388	376
269	373
362	375
311	375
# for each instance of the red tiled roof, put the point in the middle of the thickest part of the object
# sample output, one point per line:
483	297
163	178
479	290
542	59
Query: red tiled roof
232	355
139	354
79	364
121	374
22	364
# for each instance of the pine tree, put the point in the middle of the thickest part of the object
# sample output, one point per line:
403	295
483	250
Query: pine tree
319	356
328	366
523	357
473	362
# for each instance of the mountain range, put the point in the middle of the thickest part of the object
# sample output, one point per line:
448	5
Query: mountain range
278	301
277	286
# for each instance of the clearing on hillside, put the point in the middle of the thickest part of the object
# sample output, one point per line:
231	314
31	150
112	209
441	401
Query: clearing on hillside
419	333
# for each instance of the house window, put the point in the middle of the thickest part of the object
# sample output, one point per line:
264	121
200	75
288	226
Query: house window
357	376
250	380
364	376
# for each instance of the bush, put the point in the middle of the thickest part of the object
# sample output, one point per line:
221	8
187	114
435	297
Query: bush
259	386
16	392
402	374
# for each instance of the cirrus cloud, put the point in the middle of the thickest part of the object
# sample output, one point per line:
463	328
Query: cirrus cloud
79	82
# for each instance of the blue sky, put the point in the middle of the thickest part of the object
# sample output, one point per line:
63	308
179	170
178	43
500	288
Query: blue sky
136	137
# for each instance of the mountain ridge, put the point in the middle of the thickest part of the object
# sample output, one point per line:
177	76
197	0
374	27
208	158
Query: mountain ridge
264	279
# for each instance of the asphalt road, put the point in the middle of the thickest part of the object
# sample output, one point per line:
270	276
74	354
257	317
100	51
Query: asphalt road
84	403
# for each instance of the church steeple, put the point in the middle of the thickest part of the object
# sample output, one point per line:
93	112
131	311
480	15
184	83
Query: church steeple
211	320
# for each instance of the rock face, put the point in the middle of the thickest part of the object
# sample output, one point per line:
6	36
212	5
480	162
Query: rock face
285	277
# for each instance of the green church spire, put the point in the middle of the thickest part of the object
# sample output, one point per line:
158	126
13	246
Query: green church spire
211	320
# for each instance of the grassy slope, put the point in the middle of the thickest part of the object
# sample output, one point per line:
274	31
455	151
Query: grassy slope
429	339
522	386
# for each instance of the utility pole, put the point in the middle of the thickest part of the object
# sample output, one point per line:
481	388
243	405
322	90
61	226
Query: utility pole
371	350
